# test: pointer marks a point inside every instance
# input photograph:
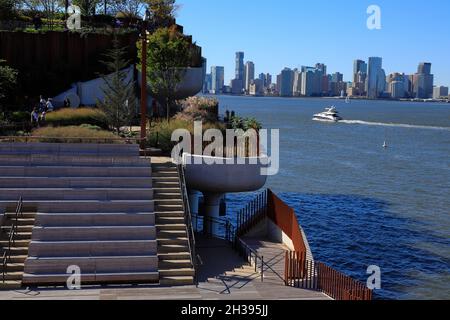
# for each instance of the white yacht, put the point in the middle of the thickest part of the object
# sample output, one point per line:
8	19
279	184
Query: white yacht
329	115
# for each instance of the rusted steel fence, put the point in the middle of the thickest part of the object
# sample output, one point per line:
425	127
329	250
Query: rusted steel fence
284	217
313	275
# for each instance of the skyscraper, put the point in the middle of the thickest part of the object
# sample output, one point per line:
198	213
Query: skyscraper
287	82
359	67
205	84
423	81
239	72
374	72
249	74
217	79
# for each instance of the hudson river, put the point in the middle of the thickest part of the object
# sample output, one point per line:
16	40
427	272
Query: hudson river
361	204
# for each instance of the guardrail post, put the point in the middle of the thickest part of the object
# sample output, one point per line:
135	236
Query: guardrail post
262	268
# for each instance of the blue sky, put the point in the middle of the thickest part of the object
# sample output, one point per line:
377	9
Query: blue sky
292	33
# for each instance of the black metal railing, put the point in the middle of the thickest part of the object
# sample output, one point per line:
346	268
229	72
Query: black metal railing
188	221
252	213
6	257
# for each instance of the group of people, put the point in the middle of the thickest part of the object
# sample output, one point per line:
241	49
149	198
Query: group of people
39	112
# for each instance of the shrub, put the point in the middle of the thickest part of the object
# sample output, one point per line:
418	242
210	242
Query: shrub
199	108
77	117
20	116
84	135
161	133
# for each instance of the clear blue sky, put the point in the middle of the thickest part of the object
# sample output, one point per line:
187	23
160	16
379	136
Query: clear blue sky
292	33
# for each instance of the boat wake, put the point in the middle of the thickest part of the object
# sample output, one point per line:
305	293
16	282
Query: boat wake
398	125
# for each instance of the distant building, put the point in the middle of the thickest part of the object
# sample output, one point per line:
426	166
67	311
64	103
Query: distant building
249	74
397	89
268	80
239	74
239	71
423	82
208	82
287	82
440	92
237	86
297	86
307	82
359	78
217	79
376	81
256	88
204	68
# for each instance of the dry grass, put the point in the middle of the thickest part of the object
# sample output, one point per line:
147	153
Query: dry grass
81	135
76	117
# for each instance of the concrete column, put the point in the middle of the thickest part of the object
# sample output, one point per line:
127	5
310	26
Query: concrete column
212	210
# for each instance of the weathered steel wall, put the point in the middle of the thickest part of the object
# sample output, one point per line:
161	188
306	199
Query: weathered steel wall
49	62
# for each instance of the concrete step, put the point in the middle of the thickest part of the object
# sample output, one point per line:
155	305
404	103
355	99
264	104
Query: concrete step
73	148
96	278
19	251
25	221
13	267
90	233
23	215
92	264
168	202
164	175
167	196
102	194
171	227
175	264
71	171
18	258
14	276
169	214
171	256
165	184
10	285
176	281
170	220
17	158
158	178
178	272
170	234
75	182
173	248
92	248
94	219
165	207
17	242
80	206
172	241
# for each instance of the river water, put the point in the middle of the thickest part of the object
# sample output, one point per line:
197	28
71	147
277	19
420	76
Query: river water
361	204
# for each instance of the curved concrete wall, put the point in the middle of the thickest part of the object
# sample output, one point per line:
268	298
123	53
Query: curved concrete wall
223	178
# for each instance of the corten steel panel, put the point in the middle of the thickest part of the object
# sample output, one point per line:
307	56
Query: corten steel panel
284	217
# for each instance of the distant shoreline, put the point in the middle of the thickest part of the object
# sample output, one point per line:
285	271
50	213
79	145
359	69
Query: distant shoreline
330	98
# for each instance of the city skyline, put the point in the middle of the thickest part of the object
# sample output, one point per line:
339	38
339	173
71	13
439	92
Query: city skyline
402	44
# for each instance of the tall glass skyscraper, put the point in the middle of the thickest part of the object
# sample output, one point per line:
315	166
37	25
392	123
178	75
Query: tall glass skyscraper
218	79
373	83
239	66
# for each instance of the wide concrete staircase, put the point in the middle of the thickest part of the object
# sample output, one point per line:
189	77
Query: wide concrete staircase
94	210
175	265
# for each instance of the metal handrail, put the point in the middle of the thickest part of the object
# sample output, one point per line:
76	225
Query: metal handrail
6	258
188	221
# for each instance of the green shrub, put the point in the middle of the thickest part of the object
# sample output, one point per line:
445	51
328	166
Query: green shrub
77	117
20	116
83	135
161	132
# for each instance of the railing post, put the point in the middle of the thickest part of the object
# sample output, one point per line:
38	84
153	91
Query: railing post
262	268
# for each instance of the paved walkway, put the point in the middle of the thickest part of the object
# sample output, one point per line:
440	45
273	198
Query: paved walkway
223	276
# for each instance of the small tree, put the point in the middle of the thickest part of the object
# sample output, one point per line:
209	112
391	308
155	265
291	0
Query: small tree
119	103
8	81
163	11
168	56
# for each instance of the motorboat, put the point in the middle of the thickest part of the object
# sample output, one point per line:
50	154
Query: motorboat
329	115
